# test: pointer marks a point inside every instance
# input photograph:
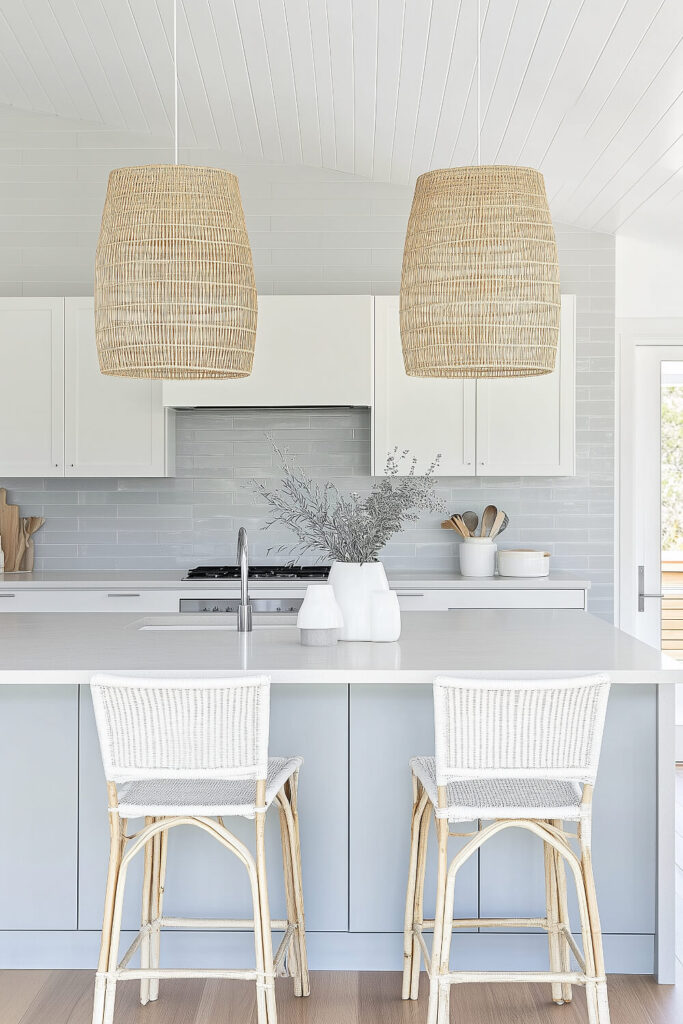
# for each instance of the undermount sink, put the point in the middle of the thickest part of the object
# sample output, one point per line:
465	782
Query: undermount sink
212	621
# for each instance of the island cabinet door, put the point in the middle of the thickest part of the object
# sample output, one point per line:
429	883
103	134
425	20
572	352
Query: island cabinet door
624	843
39	812
204	880
388	726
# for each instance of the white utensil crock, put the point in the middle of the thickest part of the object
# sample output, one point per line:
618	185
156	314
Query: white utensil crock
477	557
385	616
353	584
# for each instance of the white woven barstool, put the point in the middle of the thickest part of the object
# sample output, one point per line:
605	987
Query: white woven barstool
520	755
191	752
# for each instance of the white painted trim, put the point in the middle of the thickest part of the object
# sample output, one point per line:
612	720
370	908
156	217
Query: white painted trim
634	335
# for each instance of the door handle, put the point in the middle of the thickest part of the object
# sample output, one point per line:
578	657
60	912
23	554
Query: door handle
641	589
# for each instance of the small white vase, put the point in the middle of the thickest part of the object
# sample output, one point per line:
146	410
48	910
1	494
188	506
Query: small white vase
353	584
385	616
320	618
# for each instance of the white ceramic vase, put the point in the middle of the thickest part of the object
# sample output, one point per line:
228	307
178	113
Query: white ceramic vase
353	584
385	616
320	618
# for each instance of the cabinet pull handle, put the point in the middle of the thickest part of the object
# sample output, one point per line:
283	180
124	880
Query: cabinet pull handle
4	593
121	594
408	593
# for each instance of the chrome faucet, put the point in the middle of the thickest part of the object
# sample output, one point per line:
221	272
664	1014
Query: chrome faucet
244	623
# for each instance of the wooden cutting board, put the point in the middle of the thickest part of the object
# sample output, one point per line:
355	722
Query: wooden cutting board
9	530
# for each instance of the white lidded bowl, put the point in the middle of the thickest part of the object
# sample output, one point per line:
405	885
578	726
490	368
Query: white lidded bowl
523	562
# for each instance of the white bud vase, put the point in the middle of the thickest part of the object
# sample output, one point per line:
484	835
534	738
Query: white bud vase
353	584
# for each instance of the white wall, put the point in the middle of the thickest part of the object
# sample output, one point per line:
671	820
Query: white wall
649	278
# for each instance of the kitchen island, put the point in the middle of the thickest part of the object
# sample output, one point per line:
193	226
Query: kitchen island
356	712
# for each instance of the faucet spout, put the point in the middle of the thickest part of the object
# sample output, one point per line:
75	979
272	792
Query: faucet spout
244	620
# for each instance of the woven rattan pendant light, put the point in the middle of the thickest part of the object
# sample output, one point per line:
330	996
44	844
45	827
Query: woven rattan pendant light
480	285
175	296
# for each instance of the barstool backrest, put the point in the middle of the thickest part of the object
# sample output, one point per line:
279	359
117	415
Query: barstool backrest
492	728
185	728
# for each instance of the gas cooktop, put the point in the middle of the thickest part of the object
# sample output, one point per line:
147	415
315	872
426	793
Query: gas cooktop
259	572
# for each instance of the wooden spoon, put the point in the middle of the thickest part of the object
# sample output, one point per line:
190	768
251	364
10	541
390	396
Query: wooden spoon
499	524
460	525
471	521
488	519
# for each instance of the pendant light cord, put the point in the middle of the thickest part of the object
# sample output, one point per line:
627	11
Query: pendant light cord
478	83
175	81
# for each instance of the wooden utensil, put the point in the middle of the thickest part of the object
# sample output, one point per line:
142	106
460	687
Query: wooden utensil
9	531
32	524
471	521
459	525
499	524
488	519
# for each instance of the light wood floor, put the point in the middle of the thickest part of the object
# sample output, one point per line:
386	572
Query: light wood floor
64	997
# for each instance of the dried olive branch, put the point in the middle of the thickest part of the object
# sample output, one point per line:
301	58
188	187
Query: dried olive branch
348	527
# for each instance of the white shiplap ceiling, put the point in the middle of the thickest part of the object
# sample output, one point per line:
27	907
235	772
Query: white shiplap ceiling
590	91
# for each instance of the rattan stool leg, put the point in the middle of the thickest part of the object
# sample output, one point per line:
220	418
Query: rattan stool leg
298	884
442	871
116	830
293	953
264	909
562	915
599	990
418	913
552	919
146	913
160	851
409	917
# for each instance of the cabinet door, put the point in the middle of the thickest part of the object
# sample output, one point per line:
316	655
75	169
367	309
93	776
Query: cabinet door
424	416
32	372
114	426
525	426
388	725
39	807
310	350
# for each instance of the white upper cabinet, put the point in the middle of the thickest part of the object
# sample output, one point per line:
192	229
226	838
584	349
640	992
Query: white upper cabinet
525	426
32	374
114	426
310	350
502	427
59	416
424	416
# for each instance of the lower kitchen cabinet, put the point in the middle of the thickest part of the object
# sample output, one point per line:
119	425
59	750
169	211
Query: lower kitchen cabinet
389	725
38	807
203	879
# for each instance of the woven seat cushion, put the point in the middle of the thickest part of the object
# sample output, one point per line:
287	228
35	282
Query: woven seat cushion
501	798
166	797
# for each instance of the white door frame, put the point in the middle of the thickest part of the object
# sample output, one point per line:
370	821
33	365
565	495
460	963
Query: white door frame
632	335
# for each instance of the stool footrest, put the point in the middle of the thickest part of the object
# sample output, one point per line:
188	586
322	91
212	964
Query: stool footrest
217	922
493	922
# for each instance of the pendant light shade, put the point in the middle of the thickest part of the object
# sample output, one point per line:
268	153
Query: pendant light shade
480	286
174	281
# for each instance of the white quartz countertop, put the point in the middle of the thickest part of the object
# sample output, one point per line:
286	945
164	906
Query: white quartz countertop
173	580
69	648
